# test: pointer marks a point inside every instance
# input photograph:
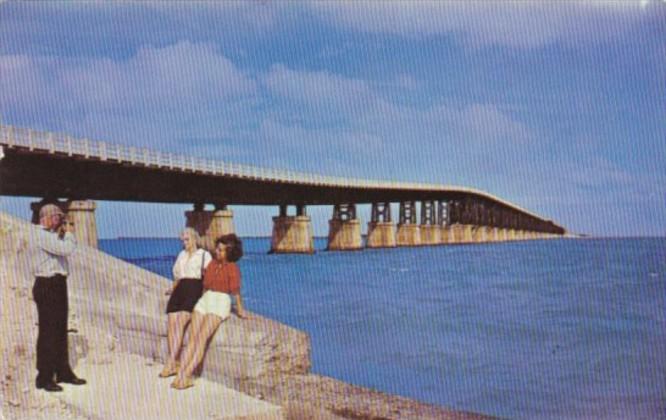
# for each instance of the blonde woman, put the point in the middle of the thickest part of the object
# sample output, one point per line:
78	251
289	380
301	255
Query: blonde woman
186	291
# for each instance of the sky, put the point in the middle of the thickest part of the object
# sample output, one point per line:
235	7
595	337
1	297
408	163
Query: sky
558	107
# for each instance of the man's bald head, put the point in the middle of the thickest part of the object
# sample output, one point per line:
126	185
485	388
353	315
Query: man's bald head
51	216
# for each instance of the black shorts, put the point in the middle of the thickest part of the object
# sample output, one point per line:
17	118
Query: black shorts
185	296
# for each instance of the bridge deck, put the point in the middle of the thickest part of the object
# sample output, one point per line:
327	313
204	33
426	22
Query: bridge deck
42	164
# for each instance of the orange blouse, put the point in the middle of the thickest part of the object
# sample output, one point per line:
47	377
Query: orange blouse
222	277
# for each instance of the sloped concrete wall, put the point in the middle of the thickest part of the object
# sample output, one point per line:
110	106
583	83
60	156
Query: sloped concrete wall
130	303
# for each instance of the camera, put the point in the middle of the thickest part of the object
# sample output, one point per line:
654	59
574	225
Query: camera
65	226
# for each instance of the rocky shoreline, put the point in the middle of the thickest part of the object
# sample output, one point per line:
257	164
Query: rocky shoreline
116	309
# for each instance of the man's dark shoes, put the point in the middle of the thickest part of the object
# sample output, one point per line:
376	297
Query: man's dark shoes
71	380
49	386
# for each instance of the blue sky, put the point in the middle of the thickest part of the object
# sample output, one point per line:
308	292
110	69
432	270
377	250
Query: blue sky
558	107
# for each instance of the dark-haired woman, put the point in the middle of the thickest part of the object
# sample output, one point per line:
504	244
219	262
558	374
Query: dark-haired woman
221	281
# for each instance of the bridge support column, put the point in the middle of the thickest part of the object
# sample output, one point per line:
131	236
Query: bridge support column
511	234
222	223
210	225
381	230
446	234
431	232
486	234
443	221
344	232
409	233
79	212
292	234
455	233
82	214
431	235
478	234
493	234
466	234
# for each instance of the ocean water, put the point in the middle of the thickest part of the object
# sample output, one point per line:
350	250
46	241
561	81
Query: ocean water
538	329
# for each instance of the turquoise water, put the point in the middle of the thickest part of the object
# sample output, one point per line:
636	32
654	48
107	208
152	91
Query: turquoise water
538	329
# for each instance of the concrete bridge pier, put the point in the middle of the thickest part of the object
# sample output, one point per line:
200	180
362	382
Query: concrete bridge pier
511	234
461	233
292	234
458	222
446	235
210	224
79	212
478	234
431	232
443	221
491	234
455	233
82	214
381	229
409	233
344	232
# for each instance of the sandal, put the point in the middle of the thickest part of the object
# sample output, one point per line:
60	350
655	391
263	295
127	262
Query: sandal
184	384
167	371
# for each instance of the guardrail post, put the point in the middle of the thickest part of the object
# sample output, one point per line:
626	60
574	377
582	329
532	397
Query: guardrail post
12	139
51	144
102	150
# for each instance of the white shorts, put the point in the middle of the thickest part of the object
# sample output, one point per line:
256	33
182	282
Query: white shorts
215	303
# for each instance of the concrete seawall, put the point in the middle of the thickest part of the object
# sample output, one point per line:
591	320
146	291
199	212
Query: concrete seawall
117	307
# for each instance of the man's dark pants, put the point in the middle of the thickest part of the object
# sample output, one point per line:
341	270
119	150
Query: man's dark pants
50	294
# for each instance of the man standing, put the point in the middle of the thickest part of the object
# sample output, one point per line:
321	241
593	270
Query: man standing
52	244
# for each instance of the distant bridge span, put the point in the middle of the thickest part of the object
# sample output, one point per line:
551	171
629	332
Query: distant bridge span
42	164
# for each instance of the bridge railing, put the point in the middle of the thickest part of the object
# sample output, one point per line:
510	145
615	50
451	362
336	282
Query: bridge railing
104	151
55	143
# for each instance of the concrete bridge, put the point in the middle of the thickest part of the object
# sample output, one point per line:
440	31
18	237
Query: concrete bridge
73	172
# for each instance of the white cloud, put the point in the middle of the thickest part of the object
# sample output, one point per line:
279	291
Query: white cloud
183	74
316	88
176	84
420	141
318	149
524	24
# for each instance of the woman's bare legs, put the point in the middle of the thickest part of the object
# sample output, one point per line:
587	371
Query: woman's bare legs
176	324
202	329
